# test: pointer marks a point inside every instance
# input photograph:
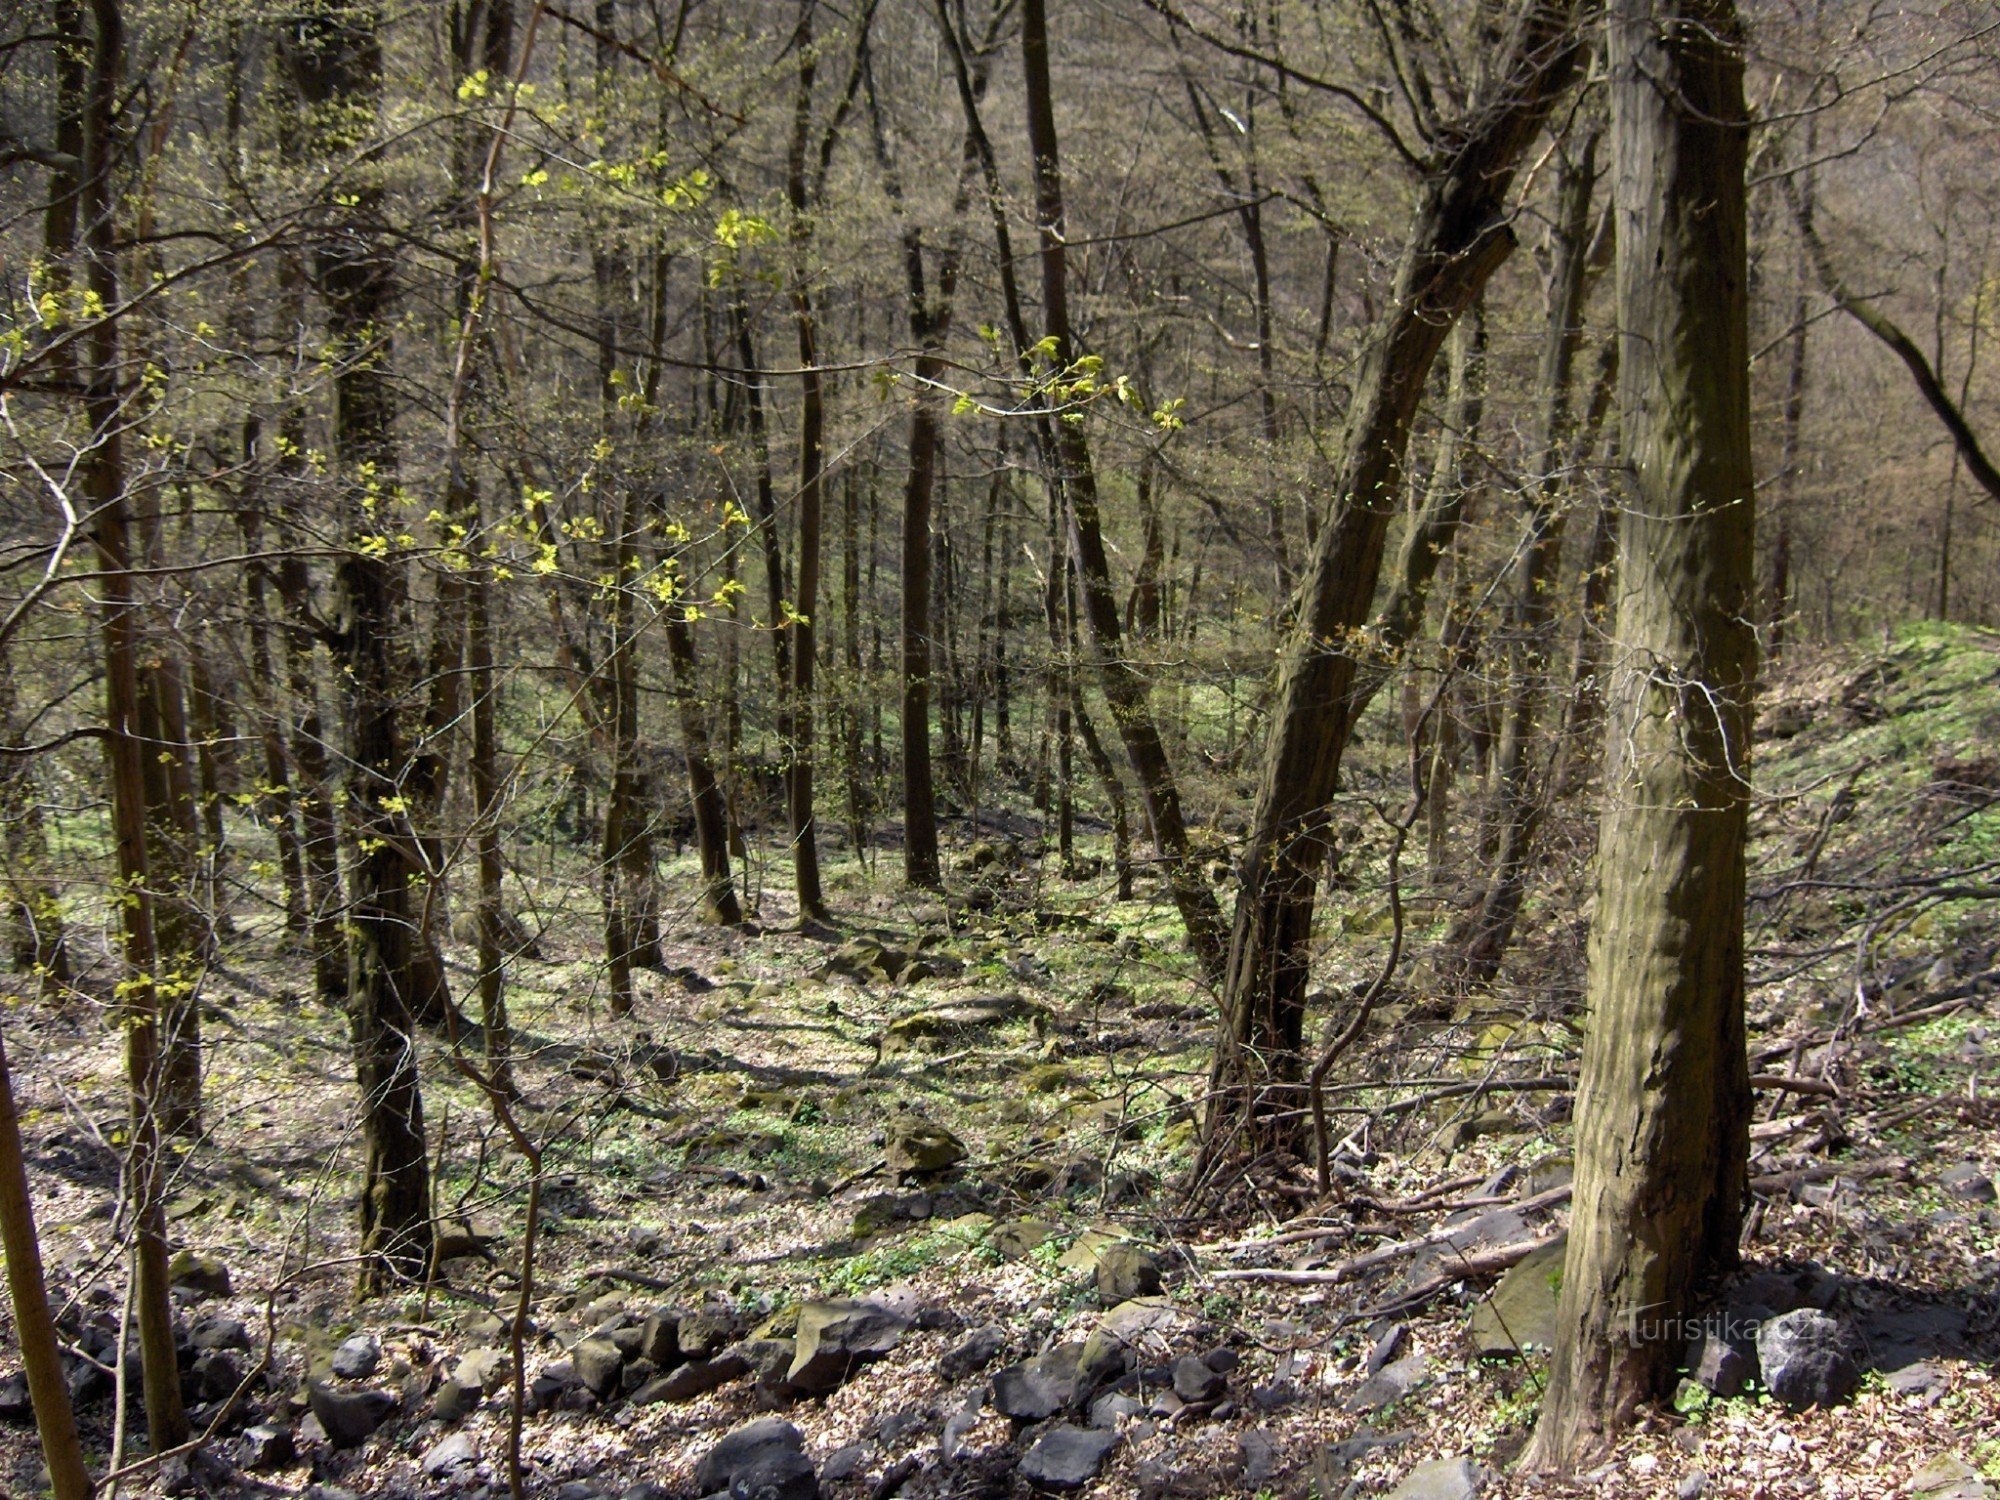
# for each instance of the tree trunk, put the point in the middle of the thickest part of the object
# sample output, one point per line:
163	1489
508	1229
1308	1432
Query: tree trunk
1459	237
1663	1102
1125	685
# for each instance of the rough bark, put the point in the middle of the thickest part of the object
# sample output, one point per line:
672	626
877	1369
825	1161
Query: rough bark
1663	1101
1459	236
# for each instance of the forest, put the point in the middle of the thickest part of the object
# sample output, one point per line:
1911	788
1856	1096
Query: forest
969	748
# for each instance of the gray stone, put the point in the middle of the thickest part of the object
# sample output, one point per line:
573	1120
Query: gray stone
973	1353
221	1333
844	1464
1113	1407
1948	1477
1721	1367
1195	1381
216	1373
1019	1238
348	1418
1390	1384
957	1426
455	1401
201	1275
484	1370
1332	1463
1139	1328
1969	1183
1068	1458
268	1447
1919	1378
1260	1457
599	1363
1441	1479
921	1147
1520	1314
450	1455
1389	1347
1125	1271
358	1358
706	1332
659	1339
1693	1487
695	1378
765	1460
834	1337
1039	1387
1806	1359
770	1362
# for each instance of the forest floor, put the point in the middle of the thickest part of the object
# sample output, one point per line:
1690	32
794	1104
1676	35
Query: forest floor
1034	1053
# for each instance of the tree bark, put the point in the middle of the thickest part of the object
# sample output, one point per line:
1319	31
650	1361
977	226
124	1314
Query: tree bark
1459	237
1663	1101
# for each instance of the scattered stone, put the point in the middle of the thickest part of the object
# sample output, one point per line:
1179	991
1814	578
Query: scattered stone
770	1362
695	1378
1018	1239
1969	1183
1920	1378
268	1447
659	1339
646	1489
349	1418
1806	1359
1195	1381
1260	1457
1039	1387
599	1363
1693	1487
1067	1458
765	1460
1521	1312
973	1353
1113	1407
1390	1384
14	1403
1948	1477
216	1374
1441	1479
484	1370
704	1333
1721	1367
1125	1271
220	1333
358	1358
455	1401
883	1213
844	1464
958	1426
449	1456
954	1020
834	1337
1332	1463
919	1147
1140	1326
1389	1347
198	1274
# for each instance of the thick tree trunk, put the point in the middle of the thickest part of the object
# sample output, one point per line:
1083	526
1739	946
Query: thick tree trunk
1663	1102
1459	237
711	820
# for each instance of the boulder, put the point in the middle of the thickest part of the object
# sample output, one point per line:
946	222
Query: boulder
220	1333
834	1337
1019	1238
1195	1381
599	1363
764	1461
197	1274
659	1339
1948	1477
973	1353
267	1447
349	1418
1969	1183
1039	1387
1125	1271
921	1148
1807	1359
216	1374
1441	1479
14	1403
695	1378
1068	1458
1390	1384
484	1370
449	1455
1521	1312
358	1358
455	1401
1140	1327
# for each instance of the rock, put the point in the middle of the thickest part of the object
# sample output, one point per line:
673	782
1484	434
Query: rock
1919	1378
455	1401
882	1213
834	1337
599	1363
1440	1479
770	1362
1140	1327
764	1461
1389	1347
1068	1458
484	1370
1720	1367
1108	1410
704	1333
1260	1457
267	1447
1390	1384
696	1378
449	1456
844	1464
1806	1359
1948	1477
973	1353
349	1418
14	1403
659	1339
1485	1123
1332	1463
1969	1183
216	1374
954	1020
1039	1387
1195	1381
358	1358
220	1333
645	1489
1693	1487
1019	1238
198	1274
1520	1314
920	1147
958	1426
1125	1271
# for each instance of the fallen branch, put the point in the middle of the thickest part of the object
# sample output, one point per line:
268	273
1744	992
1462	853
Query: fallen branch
1382	1255
1466	1267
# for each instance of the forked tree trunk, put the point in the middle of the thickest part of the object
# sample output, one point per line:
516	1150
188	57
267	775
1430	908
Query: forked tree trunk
1663	1102
1459	237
